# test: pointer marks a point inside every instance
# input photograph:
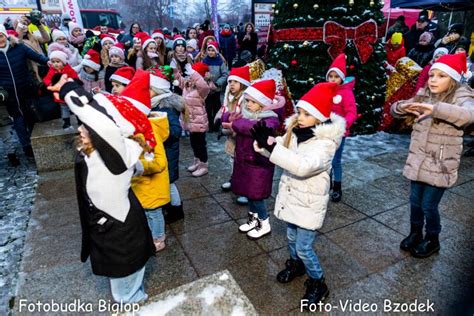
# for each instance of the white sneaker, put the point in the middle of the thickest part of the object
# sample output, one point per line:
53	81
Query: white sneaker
201	170
242	200
261	229
226	186
251	223
194	166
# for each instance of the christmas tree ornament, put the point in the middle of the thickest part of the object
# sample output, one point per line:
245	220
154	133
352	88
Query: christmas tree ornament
310	80
316	6
373	98
276	12
273	6
295	6
286	46
305	43
351	2
372	3
294	62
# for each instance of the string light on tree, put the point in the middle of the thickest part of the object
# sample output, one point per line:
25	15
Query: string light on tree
305	43
310	80
286	46
273	6
276	12
351	2
372	3
295	6
316	6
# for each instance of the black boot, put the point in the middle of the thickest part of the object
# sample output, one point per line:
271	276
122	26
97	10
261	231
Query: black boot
66	123
13	159
316	291
293	269
412	240
336	194
173	213
28	150
427	247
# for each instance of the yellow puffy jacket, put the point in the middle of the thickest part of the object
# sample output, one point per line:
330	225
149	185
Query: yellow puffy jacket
152	188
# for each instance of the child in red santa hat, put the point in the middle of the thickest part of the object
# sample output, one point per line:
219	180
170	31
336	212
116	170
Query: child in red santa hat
252	174
107	42
121	78
161	51
58	57
304	153
345	106
148	57
195	90
116	61
163	100
442	110
237	82
114	134
90	72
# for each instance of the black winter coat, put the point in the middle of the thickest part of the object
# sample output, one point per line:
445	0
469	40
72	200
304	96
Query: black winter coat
422	54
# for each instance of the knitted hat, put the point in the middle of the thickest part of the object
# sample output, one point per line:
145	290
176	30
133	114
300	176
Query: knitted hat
440	50
92	59
123	75
159	80
214	45
58	55
72	26
426	36
319	100
179	40
116	50
138	91
192	43
128	117
57	34
456	28
157	33
338	66
396	38
59	47
104	38
201	68
453	65
241	74
262	92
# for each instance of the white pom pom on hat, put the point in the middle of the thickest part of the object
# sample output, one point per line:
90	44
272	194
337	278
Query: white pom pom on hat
337	99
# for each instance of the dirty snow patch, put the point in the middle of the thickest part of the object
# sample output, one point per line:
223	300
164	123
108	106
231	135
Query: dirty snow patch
224	277
210	293
162	307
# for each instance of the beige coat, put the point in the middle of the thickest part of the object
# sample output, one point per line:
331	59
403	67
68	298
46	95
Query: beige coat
436	142
303	193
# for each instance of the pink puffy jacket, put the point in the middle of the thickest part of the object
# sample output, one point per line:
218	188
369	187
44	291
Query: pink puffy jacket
195	90
347	108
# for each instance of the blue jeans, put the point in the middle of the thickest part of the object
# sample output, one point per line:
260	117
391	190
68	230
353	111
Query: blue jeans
336	172
22	131
300	244
424	201
259	207
129	289
65	112
156	222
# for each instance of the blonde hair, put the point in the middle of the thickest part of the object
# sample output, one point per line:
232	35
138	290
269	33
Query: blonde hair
104	56
86	148
232	103
289	130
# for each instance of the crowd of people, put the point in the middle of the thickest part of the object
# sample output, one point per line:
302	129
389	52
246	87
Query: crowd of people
136	95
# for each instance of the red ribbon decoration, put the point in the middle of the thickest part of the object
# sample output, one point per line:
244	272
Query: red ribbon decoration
363	36
335	35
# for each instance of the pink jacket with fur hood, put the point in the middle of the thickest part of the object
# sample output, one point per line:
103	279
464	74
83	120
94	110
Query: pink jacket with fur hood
347	108
195	91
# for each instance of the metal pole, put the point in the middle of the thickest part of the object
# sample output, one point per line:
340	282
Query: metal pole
450	18
388	22
38	4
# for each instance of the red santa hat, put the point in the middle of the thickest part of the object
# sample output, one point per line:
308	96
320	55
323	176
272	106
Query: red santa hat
214	45
262	92
240	74
105	37
117	51
201	68
338	66
453	65
158	80
128	117
319	100
92	59
138	91
123	75
157	33
145	39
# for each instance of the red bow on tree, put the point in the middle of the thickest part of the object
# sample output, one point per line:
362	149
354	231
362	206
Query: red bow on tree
363	36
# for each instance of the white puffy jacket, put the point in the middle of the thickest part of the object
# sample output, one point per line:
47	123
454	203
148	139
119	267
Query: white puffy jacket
303	192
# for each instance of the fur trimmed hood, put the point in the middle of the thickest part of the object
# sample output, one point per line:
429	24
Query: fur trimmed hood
172	102
332	131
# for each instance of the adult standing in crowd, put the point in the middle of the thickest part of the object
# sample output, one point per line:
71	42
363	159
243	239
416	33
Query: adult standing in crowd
423	24
452	38
248	40
191	34
39	29
16	81
65	19
398	27
205	32
227	44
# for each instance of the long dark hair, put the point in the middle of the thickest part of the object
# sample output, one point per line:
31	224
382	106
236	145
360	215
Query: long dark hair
131	26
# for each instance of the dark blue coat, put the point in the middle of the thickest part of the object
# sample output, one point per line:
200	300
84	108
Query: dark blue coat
228	47
14	66
172	143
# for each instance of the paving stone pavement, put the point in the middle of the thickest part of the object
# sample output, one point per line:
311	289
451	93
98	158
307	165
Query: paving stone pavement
358	246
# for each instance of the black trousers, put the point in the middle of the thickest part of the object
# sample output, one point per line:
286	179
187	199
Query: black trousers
199	145
213	104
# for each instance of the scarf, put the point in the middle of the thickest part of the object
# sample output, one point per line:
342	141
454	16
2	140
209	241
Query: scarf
152	55
118	65
90	77
216	61
77	39
303	134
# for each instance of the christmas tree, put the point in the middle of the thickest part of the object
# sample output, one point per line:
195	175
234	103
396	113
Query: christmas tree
307	35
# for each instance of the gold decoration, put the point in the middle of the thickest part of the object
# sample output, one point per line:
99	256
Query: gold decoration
310	80
351	2
305	43
407	69
316	6
257	68
372	3
295	6
286	46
